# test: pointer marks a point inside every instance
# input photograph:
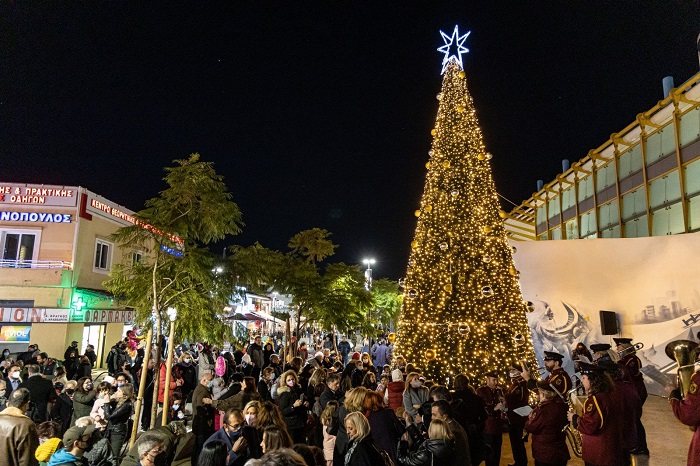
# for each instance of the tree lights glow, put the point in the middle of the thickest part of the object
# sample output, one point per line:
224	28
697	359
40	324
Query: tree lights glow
463	310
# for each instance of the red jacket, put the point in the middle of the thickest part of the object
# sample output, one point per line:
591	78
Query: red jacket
161	386
395	390
601	430
491	397
630	412
688	412
517	396
546	424
631	367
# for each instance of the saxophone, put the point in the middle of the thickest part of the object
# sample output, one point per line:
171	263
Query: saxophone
573	436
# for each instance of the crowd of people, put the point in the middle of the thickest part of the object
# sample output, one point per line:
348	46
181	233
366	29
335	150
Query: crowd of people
334	406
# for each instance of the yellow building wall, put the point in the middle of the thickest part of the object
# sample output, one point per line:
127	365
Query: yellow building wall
51	338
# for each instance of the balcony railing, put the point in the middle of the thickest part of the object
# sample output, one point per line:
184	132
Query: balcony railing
30	264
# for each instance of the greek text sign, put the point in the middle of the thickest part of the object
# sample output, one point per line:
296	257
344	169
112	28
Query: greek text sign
35	217
21	315
34	194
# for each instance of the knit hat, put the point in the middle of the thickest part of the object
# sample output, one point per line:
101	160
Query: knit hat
246	359
45	450
396	376
355	355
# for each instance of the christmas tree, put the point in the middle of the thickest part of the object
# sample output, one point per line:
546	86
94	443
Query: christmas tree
463	310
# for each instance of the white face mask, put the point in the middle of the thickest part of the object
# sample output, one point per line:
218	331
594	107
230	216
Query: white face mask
250	419
15	375
415	383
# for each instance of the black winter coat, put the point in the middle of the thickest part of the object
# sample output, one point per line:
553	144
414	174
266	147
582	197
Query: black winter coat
431	452
118	416
294	417
365	454
62	412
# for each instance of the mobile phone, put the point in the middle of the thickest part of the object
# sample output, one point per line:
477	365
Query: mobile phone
302	397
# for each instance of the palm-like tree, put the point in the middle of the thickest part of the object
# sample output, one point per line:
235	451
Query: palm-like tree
312	244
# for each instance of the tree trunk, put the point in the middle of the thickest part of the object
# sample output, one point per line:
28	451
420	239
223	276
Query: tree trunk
156	376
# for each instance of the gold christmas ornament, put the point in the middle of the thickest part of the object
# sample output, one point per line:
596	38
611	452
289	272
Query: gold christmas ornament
412	293
462	74
488	156
402	282
427	164
514	249
433	131
530	306
454	193
447	288
519	339
502	213
487	229
417	213
463	329
391	338
446	164
430	354
444	246
486	258
439	96
460	108
428	208
481	156
411	261
487	291
414	245
512	271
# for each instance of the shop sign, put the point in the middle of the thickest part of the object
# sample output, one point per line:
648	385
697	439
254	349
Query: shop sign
35	194
17	333
19	315
35	217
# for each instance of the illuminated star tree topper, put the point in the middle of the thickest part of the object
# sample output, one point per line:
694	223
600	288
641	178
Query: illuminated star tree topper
454	40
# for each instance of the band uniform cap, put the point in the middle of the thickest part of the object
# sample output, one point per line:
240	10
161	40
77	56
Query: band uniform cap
596	347
74	433
622	341
493	374
587	368
608	366
542	385
553	356
517	367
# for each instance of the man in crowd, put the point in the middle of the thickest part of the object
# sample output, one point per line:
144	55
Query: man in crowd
255	351
442	411
517	395
13	379
203	420
46	365
379	354
344	349
600	353
41	391
27	357
332	391
73	348
232	434
557	377
92	356
631	366
76	441
18	437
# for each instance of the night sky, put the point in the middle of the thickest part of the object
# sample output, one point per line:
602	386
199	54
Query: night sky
318	113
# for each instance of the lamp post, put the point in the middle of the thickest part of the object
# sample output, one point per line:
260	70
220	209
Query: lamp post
368	287
172	315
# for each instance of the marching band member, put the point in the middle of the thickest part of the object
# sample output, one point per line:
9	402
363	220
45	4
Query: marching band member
630	407
632	365
495	407
601	352
599	423
688	412
545	426
557	375
517	396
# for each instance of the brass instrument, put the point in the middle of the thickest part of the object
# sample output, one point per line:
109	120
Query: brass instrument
684	353
573	436
630	349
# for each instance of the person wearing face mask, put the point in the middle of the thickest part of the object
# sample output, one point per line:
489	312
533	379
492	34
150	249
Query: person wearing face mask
293	406
62	411
151	450
118	410
249	392
5	355
203	414
13	379
83	398
236	435
3	392
77	441
100	452
185	370
414	395
18	436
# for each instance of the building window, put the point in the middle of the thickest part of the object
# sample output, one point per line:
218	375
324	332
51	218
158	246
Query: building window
568	199
637	227
605	177
690	127
19	247
103	256
607	215
668	220
664	190
634	204
588	228
691	178
585	188
630	162
572	229
136	257
660	144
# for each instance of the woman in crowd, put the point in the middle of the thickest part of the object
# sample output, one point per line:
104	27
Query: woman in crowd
394	391
247	365
414	394
437	449
354	400
213	454
60	376
368	364
267	378
101	453
184	370
293	406
268	350
118	410
370	381
303	351
581	353
84	368
71	364
49	433
250	413
83	398
248	393
318	377
386	427
62	411
545	426
360	450
274	438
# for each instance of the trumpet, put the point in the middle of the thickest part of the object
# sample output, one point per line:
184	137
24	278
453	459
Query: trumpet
630	349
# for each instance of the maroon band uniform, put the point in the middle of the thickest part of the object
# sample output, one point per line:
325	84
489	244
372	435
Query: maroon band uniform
491	397
517	395
560	380
545	425
600	426
688	412
632	366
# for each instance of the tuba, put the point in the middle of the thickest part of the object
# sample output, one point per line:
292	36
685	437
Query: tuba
684	353
573	436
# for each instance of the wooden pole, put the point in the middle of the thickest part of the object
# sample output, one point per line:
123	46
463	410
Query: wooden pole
142	388
168	373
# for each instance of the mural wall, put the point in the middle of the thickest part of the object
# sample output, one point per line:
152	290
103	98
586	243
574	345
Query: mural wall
652	284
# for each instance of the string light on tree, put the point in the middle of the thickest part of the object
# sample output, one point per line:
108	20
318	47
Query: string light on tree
464	311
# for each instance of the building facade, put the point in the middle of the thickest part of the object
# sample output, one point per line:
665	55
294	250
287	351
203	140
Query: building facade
643	181
56	254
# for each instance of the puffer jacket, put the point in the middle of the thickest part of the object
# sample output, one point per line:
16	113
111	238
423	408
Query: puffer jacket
294	417
118	416
395	391
432	451
18	438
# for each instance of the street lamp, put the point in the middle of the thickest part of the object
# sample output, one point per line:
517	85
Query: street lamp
172	315
368	273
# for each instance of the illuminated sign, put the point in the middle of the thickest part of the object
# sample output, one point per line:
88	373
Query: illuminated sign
22	315
15	333
32	194
454	40
35	217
